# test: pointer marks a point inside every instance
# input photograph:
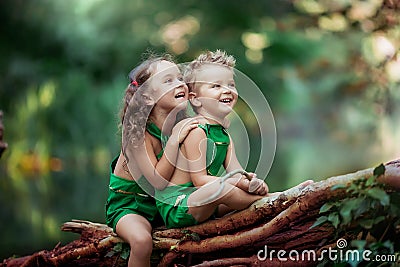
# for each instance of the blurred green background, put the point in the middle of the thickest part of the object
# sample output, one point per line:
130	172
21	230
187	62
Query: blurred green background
329	69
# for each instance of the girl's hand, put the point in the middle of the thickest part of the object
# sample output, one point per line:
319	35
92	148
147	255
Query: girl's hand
182	129
258	187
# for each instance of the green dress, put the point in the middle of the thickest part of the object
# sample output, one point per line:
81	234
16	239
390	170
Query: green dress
130	196
172	201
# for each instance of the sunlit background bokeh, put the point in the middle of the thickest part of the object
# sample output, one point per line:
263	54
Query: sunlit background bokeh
330	70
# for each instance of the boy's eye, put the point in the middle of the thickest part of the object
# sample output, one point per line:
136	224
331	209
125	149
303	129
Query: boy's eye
215	85
180	78
168	80
232	85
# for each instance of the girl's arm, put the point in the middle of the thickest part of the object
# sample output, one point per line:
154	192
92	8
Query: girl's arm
159	172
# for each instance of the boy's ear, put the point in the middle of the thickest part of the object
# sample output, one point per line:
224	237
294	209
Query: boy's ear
194	100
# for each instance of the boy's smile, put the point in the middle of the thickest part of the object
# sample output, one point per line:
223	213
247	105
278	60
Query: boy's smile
226	100
215	89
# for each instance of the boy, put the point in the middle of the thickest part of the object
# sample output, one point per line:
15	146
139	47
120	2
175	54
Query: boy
207	148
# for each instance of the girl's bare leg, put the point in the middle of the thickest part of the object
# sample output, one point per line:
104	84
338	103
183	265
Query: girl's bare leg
136	230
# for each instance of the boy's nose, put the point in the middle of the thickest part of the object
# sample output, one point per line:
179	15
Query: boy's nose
227	90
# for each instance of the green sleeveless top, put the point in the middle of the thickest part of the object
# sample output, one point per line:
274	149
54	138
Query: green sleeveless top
217	147
144	184
156	132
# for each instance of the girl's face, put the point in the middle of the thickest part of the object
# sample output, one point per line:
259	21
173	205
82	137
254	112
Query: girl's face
168	89
216	90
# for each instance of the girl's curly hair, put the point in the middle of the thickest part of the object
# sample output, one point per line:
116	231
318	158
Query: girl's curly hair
136	109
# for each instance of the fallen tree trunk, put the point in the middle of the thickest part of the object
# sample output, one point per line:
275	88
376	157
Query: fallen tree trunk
282	222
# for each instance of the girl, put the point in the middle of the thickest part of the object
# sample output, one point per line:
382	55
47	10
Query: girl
154	98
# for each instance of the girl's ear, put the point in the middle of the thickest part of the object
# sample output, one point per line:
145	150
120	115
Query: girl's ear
194	100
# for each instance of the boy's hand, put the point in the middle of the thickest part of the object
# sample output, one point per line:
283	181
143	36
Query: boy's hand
252	175
182	129
258	187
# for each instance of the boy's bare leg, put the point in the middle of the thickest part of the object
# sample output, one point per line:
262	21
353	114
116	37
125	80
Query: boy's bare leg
231	196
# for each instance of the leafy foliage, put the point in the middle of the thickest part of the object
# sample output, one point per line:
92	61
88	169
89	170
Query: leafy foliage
122	249
368	213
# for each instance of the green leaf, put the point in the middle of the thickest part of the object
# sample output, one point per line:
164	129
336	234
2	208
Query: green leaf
367	223
338	186
389	244
380	195
379	245
370	181
321	220
110	254
347	208
334	219
359	244
395	204
326	207
394	210
379	170
352	188
379	219
125	254
118	247
345	212
364	206
195	237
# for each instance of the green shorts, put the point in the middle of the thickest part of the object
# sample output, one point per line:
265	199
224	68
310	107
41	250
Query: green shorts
172	205
126	197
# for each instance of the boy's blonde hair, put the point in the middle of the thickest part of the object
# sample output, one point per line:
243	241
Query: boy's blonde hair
218	57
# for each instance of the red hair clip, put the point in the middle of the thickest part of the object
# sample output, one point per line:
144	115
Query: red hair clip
134	83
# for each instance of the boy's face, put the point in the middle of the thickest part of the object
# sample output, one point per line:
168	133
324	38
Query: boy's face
215	89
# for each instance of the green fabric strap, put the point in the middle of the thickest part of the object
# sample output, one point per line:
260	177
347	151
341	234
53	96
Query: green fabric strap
217	147
156	132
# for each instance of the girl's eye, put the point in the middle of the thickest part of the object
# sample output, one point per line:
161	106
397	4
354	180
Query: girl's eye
169	80
180	79
232	85
215	85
